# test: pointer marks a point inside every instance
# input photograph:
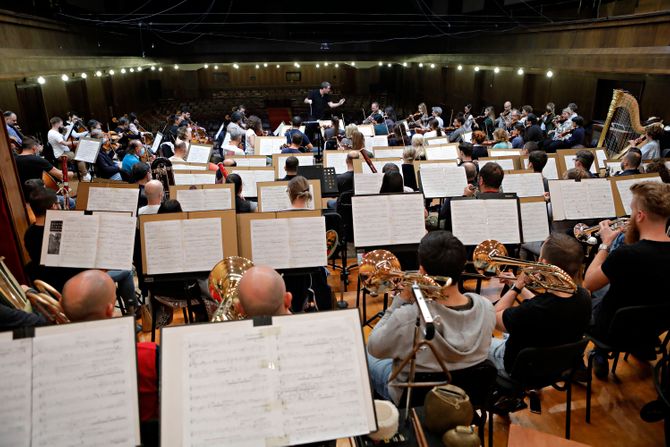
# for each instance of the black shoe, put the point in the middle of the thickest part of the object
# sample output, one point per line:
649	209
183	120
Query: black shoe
601	366
654	411
506	405
581	374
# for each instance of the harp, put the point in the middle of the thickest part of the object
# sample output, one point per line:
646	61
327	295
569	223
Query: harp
622	124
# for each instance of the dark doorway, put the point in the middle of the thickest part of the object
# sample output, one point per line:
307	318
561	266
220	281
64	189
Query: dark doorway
78	96
155	89
604	95
32	115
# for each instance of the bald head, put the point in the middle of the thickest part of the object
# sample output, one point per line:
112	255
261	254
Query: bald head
89	296
154	192
262	292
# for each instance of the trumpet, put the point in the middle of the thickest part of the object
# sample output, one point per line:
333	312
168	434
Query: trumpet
587	234
490	257
381	272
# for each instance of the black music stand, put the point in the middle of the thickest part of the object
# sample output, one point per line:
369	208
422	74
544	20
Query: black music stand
326	176
319	150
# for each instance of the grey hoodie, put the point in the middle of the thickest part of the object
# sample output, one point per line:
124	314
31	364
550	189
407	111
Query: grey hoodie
462	336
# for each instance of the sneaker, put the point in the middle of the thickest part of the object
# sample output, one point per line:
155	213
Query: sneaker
601	366
87	178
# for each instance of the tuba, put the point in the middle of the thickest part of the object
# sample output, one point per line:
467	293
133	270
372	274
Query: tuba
47	302
491	256
161	170
223	282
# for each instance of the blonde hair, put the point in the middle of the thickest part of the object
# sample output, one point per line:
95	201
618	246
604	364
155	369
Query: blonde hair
357	140
500	135
418	143
349	130
298	188
409	153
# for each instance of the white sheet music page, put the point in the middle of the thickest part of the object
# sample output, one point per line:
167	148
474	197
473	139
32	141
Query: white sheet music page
208	178
302	161
601	156
217	199
441	153
163	246
87	150
85	385
112	199
251	177
406	218
437	141
116	242
198	153
379	165
270	242
502	218
534	221
269	145
376	141
15	390
250	162
524	185
438	165
391	152
600	197
274	198
202	244
623	186
337	160
371	218
158	139
367	182
469	221
570	163
191	199
70	239
449	181
503	152
549	171
506	163
307	242
299	380
183	179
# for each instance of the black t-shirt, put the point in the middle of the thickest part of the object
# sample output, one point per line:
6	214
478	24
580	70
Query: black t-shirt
345	181
534	133
545	320
319	104
55	276
634	272
31	167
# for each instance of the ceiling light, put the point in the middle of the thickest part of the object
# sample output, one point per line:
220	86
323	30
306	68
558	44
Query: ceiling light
132	70
519	71
337	65
318	65
123	71
206	66
236	66
381	63
160	68
404	64
550	73
111	72
420	64
477	68
353	64
277	66
325	64
65	77
432	65
388	65
99	73
265	65
459	68
176	67
257	66
139	69
216	67
41	80
496	70
153	68
296	65
84	75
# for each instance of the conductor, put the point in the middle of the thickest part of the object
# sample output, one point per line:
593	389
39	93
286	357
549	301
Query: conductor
318	99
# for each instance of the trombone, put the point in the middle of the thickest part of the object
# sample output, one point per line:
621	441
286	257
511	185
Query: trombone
587	234
380	272
490	257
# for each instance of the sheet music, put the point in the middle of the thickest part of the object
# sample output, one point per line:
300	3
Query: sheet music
207	199
87	150
376	141
202	244
495	219
504	152
524	185
163	247
218	132
250	162
189	167
289	243
614	167
394	152
157	142
506	163
15	391
438	165
85	385
69	239
467	136
337	160
587	199
368	130
550	171
269	145
281	162
198	153
367	183
448	181
601	156
312	391
112	199
251	177
570	162
437	141
623	186
116	243
379	165
534	221
442	153
275	198
388	219
195	179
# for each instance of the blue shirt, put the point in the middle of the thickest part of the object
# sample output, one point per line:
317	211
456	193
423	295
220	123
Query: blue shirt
289	134
14	134
129	161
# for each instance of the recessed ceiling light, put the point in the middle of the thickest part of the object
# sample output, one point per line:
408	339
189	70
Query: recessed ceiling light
41	80
496	70
459	68
84	76
477	68
550	73
519	71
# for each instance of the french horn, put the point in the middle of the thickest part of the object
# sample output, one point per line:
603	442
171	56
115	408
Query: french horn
223	283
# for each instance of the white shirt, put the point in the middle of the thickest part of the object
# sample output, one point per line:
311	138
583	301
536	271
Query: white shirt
251	140
148	209
56	141
440	121
175	158
430	134
229	149
76	135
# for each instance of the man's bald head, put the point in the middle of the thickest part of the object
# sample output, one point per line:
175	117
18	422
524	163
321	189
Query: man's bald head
154	192
88	296
262	292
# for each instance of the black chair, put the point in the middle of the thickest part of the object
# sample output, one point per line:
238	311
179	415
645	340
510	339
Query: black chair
662	385
335	222
536	368
477	381
632	329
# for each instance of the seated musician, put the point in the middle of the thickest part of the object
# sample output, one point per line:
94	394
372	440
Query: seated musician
479	150
575	138
184	135
464	321
90	296
584	160
291	167
379	124
525	111
651	150
179	153
174	122
348	132
397	138
358	143
298	193
537	160
296	122
547	319
517	135
435	130
660	167
374	110
392	183
30	164
294	147
134	151
170	206
646	254
489	124
153	191
514	118
12	126
140	175
345	181
242	205
42	200
465	151
61	147
528	147
408	173
533	131
106	166
262	292
501	139
457	135
419	145
630	164
74	121
436	112
234	144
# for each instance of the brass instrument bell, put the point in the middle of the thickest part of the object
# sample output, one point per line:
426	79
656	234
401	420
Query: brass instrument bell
223	283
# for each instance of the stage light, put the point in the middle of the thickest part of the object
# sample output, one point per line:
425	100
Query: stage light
318	65
496	70
176	67
84	76
296	65
206	66
236	66
153	68
216	67
160	68
353	64
325	64
123	71
459	68
519	71
111	72
265	65
388	65
477	68
132	70
420	64
337	65
257	66
404	64
139	69
41	80
380	63
98	73
550	73
277	66
65	77
432	65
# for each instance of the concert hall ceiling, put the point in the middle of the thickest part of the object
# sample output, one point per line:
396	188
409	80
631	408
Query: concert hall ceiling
191	29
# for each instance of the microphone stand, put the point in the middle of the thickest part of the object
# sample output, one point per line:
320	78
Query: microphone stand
429	333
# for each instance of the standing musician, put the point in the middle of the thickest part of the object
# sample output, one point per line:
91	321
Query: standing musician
470	122
319	99
489	122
